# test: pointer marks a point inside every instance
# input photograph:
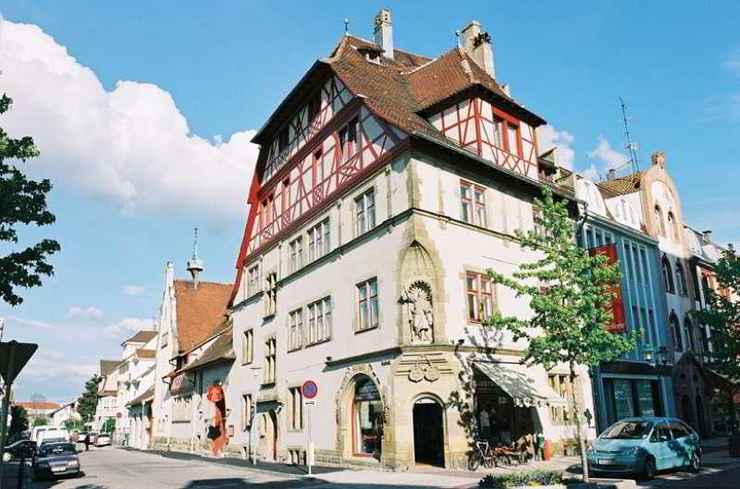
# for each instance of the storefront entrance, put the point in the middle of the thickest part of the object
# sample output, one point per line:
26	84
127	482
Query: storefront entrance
428	432
628	397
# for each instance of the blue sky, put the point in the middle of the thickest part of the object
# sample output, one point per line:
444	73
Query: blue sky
144	123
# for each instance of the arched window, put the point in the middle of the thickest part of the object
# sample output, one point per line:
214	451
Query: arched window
676	332
690	336
673	226
367	418
668	275
659	220
680	280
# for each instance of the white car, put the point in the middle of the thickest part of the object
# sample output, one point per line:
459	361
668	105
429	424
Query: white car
102	440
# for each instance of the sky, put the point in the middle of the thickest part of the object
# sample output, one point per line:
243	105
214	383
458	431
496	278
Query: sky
144	111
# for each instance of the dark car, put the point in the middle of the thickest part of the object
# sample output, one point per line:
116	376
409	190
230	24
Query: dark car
21	449
55	459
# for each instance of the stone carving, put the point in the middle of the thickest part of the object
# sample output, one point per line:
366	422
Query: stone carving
659	158
426	371
418	300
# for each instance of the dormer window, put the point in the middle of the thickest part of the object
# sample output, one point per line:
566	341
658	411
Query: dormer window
371	53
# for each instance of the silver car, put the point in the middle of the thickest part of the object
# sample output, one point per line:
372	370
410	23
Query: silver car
56	459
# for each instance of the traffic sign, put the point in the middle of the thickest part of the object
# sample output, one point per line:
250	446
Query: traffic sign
309	389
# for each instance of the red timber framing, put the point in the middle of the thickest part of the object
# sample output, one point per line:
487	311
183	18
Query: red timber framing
323	104
479	127
355	144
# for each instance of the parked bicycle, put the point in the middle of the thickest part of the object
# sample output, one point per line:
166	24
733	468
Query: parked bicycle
482	454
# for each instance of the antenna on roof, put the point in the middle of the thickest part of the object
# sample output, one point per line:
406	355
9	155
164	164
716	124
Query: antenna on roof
346	26
629	146
195	264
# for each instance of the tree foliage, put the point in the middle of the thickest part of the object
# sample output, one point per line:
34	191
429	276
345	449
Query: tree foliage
22	201
41	421
88	402
109	426
570	294
723	318
18	422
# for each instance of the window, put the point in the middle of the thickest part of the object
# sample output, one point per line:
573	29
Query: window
271	295
673	226
680	280
562	385
318	240
319	321
295	409
270	366
248	347
659	220
365	212
690	338
295	249
348	138
295	330
479	296
181	410
513	140
626	398
667	275
367	299
498	132
679	430
246	411
473	200
267	215
253	280
367	418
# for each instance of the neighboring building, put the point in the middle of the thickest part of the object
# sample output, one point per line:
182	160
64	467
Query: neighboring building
107	406
66	412
387	183
653	193
639	383
191	316
38	410
135	368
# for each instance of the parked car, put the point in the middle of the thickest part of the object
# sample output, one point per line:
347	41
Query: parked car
53	434
102	439
55	459
20	449
644	446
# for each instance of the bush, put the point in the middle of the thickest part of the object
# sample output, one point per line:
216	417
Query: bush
530	478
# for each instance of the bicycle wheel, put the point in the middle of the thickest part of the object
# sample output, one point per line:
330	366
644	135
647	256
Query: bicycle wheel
473	462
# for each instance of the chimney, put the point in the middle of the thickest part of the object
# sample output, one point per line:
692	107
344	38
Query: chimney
479	46
658	158
707	235
611	174
384	32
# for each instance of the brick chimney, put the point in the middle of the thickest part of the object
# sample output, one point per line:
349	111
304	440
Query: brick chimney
384	32
479	46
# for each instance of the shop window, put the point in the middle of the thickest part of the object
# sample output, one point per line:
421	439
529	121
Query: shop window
367	304
367	418
295	409
248	347
479	294
295	330
627	398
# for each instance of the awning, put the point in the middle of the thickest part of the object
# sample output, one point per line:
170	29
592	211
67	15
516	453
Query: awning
521	385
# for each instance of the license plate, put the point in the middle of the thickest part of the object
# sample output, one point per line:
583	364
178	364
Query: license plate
605	461
58	469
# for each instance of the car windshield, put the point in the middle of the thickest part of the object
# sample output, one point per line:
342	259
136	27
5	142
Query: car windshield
628	430
52	449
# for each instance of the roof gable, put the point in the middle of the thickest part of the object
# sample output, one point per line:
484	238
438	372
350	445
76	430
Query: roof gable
200	311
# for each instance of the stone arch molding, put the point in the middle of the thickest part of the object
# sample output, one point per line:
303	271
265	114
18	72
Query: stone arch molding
419	298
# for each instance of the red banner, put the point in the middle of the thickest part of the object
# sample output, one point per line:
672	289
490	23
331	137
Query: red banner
610	251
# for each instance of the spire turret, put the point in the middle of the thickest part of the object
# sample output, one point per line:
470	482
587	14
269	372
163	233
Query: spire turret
195	264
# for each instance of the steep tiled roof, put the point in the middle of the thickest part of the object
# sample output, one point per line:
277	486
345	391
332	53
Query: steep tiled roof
622	185
142	336
221	349
107	366
200	311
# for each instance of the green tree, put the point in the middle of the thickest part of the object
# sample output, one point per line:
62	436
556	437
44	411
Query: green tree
570	294
109	426
22	201
723	318
18	423
74	425
40	421
88	401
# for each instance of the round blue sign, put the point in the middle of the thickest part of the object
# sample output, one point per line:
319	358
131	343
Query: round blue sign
309	389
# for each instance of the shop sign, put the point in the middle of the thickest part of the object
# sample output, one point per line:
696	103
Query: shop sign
181	384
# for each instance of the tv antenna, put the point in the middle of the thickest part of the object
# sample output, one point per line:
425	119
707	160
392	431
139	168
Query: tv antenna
630	146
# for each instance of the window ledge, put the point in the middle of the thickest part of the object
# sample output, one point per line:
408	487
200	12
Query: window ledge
316	343
365	330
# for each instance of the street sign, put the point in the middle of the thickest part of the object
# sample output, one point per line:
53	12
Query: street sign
309	389
13	357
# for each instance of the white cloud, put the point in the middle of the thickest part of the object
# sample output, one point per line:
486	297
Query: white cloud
133	290
130	145
90	312
127	327
549	136
48	364
30	323
608	157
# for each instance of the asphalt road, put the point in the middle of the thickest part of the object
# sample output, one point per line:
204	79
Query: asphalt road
707	478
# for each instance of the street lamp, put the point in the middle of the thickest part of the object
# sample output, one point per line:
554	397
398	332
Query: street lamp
648	353
663	355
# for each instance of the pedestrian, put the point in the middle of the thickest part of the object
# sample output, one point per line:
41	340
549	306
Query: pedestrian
87	442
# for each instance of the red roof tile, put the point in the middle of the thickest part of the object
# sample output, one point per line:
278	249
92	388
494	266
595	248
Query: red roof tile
37	404
200	312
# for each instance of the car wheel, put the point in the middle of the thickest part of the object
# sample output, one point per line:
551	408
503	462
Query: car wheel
649	469
695	464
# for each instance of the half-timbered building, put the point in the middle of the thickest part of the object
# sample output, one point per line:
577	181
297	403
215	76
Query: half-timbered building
387	183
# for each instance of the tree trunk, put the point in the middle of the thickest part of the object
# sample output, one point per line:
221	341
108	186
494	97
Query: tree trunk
577	417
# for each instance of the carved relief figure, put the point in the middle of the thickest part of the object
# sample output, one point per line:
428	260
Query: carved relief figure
418	299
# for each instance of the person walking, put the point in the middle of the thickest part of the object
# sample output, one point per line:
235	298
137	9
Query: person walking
87	442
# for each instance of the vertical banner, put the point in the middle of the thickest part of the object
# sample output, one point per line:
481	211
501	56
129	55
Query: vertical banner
618	321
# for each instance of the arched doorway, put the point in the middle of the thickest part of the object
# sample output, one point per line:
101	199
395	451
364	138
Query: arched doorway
428	417
367	418
268	432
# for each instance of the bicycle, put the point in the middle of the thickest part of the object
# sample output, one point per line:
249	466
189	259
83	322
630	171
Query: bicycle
481	455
